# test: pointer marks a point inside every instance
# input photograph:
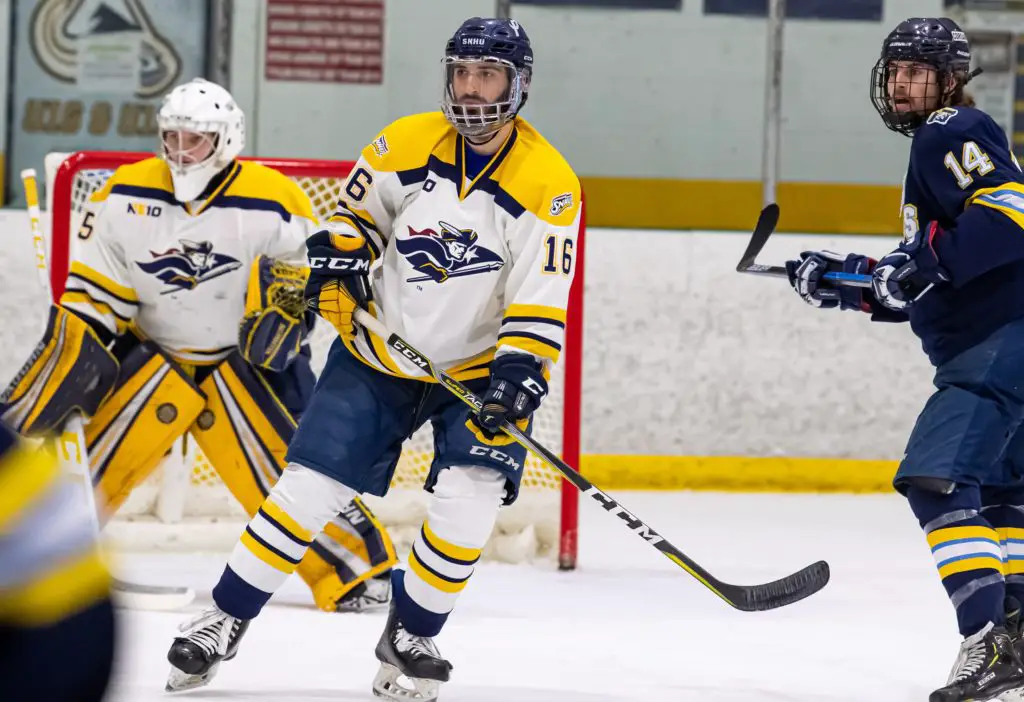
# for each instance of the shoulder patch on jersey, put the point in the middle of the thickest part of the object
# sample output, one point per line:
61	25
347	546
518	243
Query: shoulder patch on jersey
257	182
560	203
942	115
407	143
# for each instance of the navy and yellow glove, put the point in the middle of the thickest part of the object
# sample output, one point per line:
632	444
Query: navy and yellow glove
517	388
339	278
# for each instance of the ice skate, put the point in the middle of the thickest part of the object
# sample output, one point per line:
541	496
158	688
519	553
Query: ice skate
986	667
415	658
210	638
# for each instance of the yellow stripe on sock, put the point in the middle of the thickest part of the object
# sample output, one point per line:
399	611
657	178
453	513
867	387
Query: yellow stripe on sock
458	553
942	536
967	564
285	520
431	579
266	555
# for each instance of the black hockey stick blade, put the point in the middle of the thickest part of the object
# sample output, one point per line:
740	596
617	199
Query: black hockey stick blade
787	590
766	224
765	227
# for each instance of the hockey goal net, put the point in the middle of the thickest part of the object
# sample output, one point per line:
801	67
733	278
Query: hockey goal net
185	506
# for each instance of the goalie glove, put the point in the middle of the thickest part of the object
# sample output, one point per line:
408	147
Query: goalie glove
271	332
339	278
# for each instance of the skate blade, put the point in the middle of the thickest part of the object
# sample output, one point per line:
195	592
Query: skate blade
387	686
150	597
1016	695
177	681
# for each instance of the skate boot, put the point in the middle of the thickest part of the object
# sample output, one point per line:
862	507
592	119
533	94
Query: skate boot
1013	627
370	596
986	667
210	638
415	657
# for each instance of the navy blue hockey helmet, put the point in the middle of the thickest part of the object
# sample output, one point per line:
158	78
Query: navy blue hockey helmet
490	49
903	96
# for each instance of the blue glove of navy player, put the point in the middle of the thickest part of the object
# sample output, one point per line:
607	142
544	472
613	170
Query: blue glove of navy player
339	278
517	388
805	275
903	276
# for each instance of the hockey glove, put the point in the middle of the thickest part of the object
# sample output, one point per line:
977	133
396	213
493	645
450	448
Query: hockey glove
275	321
517	388
339	278
903	276
805	275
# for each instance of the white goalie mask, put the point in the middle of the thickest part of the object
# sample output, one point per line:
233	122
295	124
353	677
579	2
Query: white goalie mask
202	130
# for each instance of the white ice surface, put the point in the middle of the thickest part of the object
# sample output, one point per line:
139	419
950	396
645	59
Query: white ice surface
628	625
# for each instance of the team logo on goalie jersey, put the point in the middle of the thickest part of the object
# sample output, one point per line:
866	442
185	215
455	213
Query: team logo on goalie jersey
449	254
185	268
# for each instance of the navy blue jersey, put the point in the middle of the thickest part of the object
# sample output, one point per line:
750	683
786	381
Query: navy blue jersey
963	175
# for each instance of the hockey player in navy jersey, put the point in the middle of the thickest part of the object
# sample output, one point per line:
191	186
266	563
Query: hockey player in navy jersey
456	228
958	278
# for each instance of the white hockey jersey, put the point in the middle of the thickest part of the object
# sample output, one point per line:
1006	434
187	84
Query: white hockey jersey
466	268
178	271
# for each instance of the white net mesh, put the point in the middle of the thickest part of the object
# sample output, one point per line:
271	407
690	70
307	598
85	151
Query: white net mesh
184	504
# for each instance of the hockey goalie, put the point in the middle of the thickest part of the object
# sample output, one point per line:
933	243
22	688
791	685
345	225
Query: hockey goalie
183	312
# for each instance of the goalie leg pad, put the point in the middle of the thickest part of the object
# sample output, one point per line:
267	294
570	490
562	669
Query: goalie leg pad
69	370
153	404
244	432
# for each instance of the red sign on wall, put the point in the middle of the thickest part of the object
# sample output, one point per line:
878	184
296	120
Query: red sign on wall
325	41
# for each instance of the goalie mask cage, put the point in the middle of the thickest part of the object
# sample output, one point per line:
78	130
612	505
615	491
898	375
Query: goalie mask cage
185	506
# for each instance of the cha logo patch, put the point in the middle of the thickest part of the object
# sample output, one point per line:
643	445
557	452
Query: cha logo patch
380	146
560	204
452	253
942	116
186	268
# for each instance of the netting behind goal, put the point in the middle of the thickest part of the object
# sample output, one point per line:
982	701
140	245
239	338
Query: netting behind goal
184	505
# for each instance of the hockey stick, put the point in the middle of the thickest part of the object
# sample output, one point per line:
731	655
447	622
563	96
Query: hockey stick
765	228
748	598
72	449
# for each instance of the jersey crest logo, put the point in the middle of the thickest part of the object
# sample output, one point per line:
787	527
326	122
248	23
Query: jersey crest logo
560	204
451	253
380	146
942	116
186	268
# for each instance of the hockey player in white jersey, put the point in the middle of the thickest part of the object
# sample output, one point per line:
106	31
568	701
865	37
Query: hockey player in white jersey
457	229
183	313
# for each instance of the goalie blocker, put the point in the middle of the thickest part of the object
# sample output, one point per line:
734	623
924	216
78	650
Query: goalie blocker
230	409
70	369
